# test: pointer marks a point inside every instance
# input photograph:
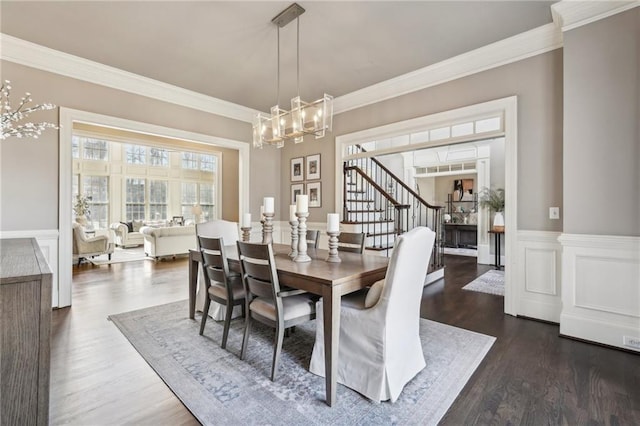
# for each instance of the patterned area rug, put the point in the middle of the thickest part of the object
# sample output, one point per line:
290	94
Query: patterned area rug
491	282
121	255
219	388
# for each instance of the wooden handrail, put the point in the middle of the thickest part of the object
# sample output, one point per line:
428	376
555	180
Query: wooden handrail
374	184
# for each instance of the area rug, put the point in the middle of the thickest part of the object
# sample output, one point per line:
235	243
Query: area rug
219	388
491	282
121	255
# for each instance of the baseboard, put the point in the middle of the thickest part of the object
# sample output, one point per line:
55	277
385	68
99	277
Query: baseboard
434	276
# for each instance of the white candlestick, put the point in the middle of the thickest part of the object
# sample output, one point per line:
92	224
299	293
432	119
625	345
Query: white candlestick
246	220
333	222
302	203
261	213
292	213
268	204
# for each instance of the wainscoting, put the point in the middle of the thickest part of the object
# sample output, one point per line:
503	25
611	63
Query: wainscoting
601	289
48	242
538	275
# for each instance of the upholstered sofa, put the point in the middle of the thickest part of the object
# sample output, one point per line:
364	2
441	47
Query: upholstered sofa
128	238
168	241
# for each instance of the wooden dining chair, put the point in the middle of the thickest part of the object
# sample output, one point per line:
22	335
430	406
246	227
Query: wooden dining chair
221	285
351	242
313	238
266	301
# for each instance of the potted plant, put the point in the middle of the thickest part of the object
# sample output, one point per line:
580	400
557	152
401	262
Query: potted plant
494	200
81	209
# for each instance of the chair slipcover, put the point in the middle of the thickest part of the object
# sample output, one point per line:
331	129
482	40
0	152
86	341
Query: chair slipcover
380	348
229	232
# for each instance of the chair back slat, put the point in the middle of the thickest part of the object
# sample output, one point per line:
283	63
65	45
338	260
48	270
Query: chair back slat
259	273
351	242
214	260
313	238
259	288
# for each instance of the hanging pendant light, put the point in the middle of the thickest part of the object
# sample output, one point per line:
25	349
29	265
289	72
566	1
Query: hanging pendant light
304	118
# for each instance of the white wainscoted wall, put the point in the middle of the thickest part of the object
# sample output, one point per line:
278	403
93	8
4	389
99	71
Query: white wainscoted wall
48	242
601	289
538	275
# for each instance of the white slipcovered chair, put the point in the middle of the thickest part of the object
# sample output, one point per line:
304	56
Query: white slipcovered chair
228	231
380	349
85	247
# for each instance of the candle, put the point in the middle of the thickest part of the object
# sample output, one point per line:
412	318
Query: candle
261	212
302	203
246	220
268	203
333	222
292	213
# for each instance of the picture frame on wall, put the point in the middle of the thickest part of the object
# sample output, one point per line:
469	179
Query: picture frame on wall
297	169
296	189
314	191
313	167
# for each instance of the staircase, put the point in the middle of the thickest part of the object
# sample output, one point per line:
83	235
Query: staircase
382	206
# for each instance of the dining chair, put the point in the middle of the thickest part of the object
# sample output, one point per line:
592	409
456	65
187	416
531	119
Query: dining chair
380	349
351	242
221	285
228	231
268	303
313	238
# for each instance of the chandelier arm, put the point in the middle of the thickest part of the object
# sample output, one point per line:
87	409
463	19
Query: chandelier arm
278	72
298	55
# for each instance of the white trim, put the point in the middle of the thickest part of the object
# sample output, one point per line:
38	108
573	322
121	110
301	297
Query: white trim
525	45
508	108
67	118
48	242
600	288
569	15
538	278
36	56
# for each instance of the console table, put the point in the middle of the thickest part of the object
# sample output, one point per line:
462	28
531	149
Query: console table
25	327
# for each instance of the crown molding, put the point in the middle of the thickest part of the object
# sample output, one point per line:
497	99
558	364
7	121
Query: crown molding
530	43
36	56
573	14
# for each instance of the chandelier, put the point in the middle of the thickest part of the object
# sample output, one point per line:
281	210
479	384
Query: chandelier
304	118
10	118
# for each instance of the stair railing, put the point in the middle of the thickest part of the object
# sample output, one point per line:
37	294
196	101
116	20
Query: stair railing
417	211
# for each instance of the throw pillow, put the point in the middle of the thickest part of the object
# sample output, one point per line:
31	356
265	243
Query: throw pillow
137	224
373	295
129	226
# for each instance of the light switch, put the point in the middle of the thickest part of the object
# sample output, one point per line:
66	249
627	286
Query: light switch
554	212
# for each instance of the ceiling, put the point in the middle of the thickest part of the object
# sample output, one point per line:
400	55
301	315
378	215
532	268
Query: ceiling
228	49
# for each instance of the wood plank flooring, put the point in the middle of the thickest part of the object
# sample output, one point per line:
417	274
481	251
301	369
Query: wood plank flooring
531	376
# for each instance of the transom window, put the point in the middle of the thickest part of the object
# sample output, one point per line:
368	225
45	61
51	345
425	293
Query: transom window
94	149
136	154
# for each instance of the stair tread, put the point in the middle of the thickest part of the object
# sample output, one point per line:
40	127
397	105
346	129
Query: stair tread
351	222
377	234
360	201
365	211
379	248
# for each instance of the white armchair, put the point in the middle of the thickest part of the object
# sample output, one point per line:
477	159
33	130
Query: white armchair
126	238
380	349
84	247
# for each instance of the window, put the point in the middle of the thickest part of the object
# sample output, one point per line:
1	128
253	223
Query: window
75	147
96	189
189	160
207	163
136	154
207	197
158	157
189	199
158	199
135	204
94	149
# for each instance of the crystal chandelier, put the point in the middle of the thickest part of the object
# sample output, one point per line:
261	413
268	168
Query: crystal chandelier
304	118
10	117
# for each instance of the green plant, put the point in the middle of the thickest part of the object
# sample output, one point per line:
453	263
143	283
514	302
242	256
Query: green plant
492	198
81	205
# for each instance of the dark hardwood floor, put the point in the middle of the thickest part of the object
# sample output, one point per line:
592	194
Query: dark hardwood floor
530	376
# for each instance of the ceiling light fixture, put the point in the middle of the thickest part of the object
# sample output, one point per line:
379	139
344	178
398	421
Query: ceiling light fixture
312	118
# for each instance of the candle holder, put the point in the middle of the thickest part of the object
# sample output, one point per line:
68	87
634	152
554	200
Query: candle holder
333	247
302	238
246	234
294	238
267	228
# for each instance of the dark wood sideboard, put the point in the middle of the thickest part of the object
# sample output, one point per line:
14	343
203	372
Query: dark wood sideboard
25	327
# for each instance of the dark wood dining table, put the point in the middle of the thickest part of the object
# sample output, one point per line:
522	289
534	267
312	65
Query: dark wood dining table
329	280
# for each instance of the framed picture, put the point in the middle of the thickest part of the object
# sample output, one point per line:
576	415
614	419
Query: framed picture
297	169
315	195
313	167
296	189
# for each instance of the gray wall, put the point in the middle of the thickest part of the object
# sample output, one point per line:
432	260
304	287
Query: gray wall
601	134
537	82
29	168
